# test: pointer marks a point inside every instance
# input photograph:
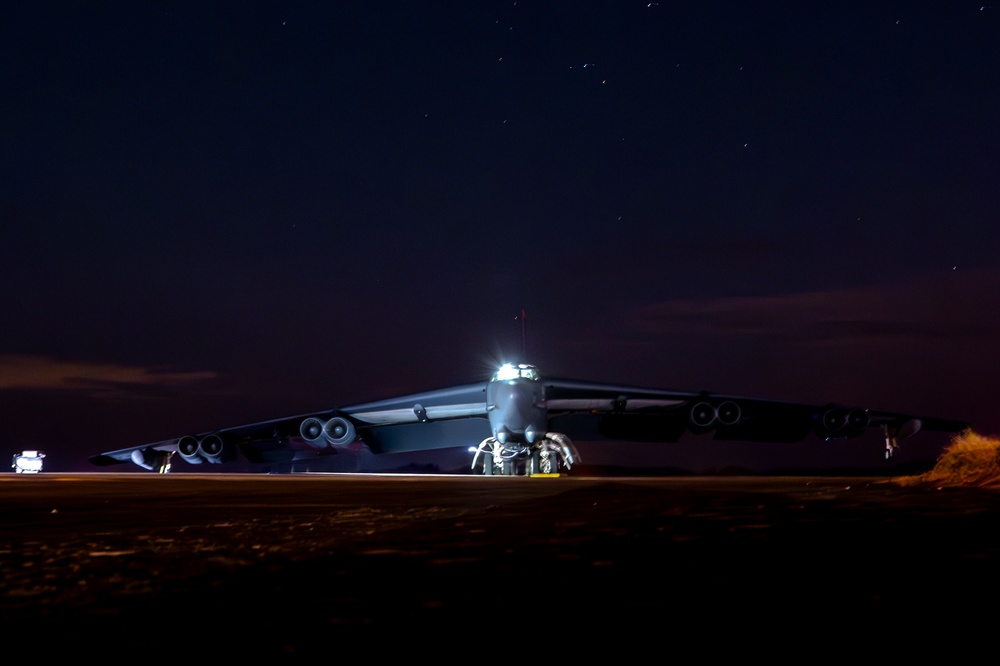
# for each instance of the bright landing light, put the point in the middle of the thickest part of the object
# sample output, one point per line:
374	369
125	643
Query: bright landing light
510	371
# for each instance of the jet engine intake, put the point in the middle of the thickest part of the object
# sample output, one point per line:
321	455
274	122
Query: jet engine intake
834	420
215	449
857	419
312	431
211	448
187	447
339	431
705	415
728	413
843	422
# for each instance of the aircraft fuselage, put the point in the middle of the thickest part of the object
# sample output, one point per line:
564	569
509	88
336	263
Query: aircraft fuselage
517	411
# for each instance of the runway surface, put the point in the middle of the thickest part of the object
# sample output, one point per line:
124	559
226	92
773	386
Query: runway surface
262	565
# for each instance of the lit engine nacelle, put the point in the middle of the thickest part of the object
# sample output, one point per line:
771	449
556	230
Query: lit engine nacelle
841	422
706	415
211	448
338	431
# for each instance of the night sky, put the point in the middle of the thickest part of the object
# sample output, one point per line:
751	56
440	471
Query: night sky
214	213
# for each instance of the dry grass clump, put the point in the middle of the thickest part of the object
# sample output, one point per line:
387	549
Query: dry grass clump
969	460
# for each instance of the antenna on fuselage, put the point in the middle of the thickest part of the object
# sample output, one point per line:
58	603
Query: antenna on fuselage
524	343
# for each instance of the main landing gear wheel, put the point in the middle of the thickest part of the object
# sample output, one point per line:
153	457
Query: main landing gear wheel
535	463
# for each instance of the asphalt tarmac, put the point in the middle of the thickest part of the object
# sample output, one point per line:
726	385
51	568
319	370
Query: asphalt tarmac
258	566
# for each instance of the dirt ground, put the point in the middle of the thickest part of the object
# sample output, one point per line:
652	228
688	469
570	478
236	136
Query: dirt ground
260	565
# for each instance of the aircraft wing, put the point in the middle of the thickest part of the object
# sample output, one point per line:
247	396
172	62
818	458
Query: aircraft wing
595	411
443	418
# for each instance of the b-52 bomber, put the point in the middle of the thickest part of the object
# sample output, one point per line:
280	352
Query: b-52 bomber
521	423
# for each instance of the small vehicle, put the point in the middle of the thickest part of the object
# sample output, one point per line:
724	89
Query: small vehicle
28	462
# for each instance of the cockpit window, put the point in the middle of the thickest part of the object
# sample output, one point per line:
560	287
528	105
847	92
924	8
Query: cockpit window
510	371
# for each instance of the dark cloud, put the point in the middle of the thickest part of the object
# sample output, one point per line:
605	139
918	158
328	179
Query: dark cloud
38	373
951	308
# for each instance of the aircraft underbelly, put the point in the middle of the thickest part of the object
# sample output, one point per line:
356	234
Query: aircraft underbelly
423	436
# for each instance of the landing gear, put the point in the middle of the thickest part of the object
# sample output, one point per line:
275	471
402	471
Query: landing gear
545	461
496	459
535	462
890	442
162	465
548	462
553	453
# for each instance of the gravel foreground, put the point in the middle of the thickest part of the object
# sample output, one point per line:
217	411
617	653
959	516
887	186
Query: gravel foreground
257	565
